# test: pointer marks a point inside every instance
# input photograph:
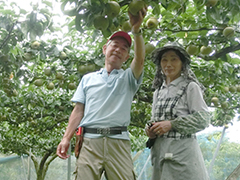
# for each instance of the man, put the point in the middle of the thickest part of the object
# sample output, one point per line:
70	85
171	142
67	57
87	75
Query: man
103	103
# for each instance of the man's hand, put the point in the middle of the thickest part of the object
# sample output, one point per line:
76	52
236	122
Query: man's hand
136	21
63	148
74	121
139	46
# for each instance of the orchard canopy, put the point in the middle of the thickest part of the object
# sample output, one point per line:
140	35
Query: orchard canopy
46	50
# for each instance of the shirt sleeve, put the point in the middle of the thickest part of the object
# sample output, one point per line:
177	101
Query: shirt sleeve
153	104
198	117
79	95
134	83
192	123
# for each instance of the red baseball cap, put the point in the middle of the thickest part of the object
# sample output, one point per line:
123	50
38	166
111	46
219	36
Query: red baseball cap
124	35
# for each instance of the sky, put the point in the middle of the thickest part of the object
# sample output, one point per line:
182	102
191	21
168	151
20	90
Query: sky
26	4
232	132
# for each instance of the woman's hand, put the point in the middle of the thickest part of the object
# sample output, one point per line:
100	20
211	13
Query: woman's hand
150	133
161	127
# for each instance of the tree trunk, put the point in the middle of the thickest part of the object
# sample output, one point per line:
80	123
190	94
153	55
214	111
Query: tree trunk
42	167
41	173
235	174
44	164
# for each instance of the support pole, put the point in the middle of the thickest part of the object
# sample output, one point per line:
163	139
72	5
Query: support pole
144	167
69	163
216	152
29	166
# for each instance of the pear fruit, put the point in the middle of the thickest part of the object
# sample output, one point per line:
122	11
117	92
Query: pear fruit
59	76
35	45
61	108
112	9
91	67
152	22
101	23
63	55
228	118
205	50
232	89
135	6
72	86
7	91
126	26
47	71
228	32
27	56
6	80
226	89
192	49
215	101
149	48
238	88
224	105
82	69
113	28
50	86
38	82
211	3
14	92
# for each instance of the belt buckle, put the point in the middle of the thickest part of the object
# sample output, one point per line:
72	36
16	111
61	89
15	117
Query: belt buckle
103	131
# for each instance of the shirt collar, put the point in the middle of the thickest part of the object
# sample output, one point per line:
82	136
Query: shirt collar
115	71
174	82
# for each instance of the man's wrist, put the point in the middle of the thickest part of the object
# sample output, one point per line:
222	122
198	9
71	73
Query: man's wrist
139	33
66	138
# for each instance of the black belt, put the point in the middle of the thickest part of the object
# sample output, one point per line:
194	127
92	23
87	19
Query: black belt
105	131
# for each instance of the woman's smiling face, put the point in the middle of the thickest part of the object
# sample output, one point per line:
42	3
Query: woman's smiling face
171	65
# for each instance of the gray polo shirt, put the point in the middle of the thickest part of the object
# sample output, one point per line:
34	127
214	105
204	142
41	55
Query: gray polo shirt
107	99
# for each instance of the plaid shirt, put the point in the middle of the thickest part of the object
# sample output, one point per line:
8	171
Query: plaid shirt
164	108
184	126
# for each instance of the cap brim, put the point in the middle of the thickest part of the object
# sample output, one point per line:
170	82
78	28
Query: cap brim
124	35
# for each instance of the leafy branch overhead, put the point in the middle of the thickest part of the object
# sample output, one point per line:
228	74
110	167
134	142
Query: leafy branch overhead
212	25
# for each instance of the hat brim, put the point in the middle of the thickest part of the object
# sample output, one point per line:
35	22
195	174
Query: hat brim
157	53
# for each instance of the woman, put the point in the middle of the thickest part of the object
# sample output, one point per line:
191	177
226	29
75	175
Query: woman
178	112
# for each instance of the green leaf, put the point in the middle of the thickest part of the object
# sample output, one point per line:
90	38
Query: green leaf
78	19
48	3
32	18
234	61
156	8
32	34
70	12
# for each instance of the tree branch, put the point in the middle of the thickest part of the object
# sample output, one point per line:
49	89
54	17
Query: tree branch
8	36
35	161
50	160
222	52
216	55
192	30
44	159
